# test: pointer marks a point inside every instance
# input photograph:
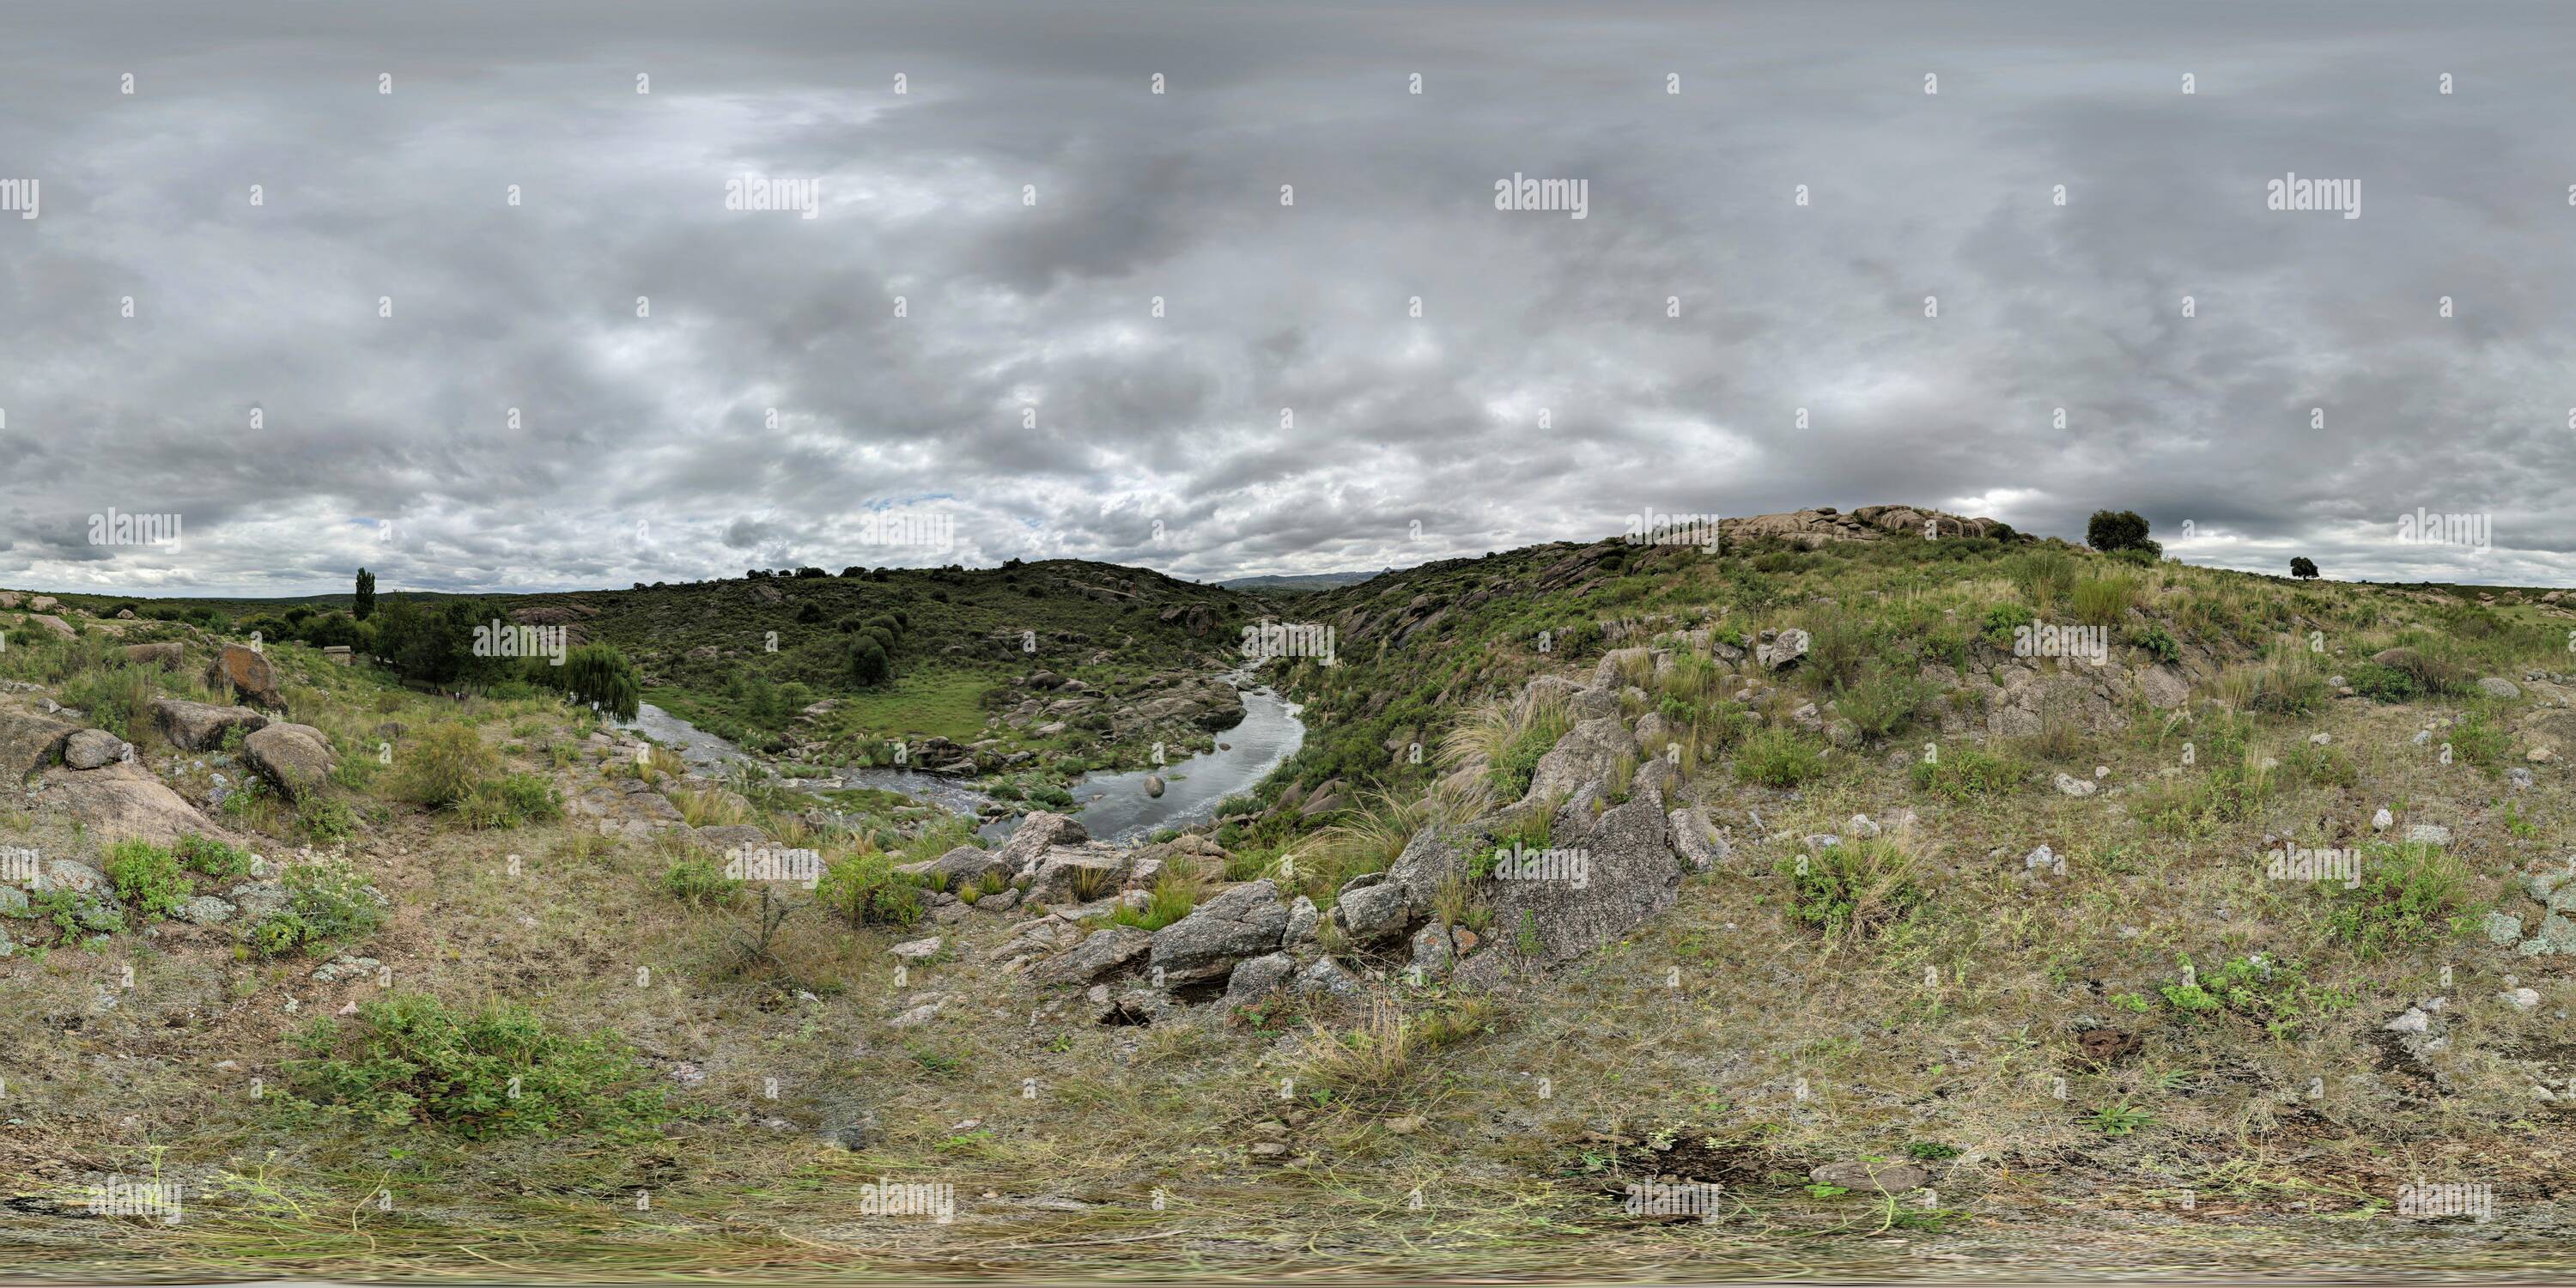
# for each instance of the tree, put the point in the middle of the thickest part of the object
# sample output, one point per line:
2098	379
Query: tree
366	605
868	661
2116	530
600	673
2303	567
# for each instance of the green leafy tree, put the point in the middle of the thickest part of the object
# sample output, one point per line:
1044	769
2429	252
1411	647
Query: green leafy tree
2116	530
2303	567
366	603
600	673
868	661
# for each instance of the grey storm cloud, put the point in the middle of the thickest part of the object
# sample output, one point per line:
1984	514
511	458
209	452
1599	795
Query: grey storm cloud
499	328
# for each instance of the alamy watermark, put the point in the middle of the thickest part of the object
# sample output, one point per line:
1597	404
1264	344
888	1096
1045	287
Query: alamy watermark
804	197
2425	528
117	528
936	530
1686	1198
19	865
1288	639
1655	528
934	1199
760	863
2474	1199
1570	196
2291	192
501	639
1521	863
21	196
117	1196
2291	863
2044	639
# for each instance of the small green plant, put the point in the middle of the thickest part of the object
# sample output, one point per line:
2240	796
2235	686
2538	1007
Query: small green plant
1931	1151
148	878
2103	601
2120	1120
1856	889
2478	740
1963	772
2156	640
2276	994
862	888
217	859
73	913
326	904
1779	758
2003	621
700	883
2409	896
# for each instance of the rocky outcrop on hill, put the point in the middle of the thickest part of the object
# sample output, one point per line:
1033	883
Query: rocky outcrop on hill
1812	528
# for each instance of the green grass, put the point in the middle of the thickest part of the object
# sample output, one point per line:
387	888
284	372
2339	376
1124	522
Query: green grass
1779	758
2410	896
409	1060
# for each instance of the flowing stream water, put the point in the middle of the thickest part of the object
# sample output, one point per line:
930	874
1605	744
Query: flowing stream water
1110	806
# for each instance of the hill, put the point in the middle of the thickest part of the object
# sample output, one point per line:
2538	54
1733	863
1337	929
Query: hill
2032	906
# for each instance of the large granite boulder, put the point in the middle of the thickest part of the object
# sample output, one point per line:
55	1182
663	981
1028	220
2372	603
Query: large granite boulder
1245	921
29	741
167	655
243	670
124	802
201	726
296	759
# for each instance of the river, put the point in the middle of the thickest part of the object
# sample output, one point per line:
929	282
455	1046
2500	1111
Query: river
1110	806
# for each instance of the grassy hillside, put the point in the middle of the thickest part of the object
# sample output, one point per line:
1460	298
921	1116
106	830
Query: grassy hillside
2045	957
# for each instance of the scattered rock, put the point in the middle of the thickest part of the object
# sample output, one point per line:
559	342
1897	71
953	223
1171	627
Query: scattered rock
918	950
1104	952
2069	785
242	669
94	748
2381	821
2428	834
2496	686
294	758
1256	977
1784	651
1244	921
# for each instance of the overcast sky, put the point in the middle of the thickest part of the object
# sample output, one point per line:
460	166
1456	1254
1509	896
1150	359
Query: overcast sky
1028	198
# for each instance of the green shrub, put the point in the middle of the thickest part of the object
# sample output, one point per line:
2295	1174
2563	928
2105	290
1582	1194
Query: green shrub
1173	899
1857	889
1883	701
2155	639
327	821
2409	896
2277	995
148	878
2004	619
216	859
2478	740
408	1060
862	887
444	764
510	801
1779	758
117	699
2103	601
2382	683
2043	576
326	904
1966	771
73	913
699	882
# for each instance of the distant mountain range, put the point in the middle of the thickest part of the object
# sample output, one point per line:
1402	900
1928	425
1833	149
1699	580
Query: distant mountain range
1301	581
